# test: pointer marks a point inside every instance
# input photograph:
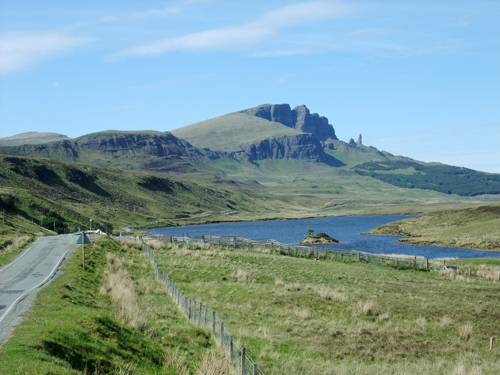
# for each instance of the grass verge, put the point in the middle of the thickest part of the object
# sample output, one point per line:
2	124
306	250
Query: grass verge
111	318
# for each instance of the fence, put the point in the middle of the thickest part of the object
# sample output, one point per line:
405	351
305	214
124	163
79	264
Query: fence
301	250
203	316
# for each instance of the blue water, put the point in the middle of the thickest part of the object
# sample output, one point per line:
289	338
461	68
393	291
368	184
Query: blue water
347	229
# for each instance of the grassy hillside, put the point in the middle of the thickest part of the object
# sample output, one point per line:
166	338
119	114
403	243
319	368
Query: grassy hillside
352	155
231	132
70	194
31	138
477	227
299	316
111	318
439	177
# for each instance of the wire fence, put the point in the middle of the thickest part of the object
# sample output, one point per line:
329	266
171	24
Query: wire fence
301	251
203	316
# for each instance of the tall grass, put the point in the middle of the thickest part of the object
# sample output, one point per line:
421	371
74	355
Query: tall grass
118	284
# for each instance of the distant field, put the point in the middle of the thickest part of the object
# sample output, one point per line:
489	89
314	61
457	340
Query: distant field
298	316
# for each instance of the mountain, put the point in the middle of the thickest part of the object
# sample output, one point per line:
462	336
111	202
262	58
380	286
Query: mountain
277	152
31	138
129	150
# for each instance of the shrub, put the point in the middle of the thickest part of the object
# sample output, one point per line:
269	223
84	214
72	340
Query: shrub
465	331
242	276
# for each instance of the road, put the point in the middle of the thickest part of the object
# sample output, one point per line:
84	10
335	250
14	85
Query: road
21	279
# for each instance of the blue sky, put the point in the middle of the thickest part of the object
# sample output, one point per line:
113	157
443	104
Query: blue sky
415	78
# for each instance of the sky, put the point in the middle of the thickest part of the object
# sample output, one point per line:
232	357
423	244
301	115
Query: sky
417	78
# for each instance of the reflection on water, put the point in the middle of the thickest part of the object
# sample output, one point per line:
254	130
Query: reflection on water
347	229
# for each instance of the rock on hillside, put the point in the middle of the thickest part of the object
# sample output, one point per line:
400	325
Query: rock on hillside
299	118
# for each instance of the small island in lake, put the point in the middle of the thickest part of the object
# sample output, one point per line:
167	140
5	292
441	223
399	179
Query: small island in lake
318	239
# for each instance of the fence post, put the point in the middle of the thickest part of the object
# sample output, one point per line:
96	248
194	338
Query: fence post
427	263
243	355
194	312
219	241
255	369
213	323
358	256
206	313
222	334
231	349
415	262
199	315
234	242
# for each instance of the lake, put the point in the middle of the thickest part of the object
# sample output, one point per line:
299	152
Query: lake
347	229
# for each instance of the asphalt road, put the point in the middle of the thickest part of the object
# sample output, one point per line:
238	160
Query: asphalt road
21	279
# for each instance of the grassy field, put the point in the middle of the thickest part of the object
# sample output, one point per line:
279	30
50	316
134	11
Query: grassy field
299	316
477	228
111	318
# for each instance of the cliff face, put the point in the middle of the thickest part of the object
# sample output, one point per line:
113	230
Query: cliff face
299	118
160	145
112	144
301	146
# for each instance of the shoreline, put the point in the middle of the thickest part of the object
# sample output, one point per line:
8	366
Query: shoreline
493	250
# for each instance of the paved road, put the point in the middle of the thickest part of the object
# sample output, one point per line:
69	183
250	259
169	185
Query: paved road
21	279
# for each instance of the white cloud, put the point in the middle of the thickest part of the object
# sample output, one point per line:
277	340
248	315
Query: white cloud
243	35
20	50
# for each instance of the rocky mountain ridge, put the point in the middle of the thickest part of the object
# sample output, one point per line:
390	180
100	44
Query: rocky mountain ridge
299	118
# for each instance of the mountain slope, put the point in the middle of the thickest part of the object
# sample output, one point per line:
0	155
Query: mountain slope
439	177
31	138
232	132
70	194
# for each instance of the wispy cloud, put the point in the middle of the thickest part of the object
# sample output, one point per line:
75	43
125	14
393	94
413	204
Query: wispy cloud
176	8
20	50
246	34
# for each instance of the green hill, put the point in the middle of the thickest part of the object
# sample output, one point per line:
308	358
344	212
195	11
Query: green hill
52	193
231	132
477	227
439	177
31	138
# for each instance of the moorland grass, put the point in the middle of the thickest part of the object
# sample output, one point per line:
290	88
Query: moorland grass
111	318
300	316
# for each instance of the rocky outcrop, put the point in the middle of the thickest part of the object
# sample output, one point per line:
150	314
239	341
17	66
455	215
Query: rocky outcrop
360	140
320	239
299	118
137	143
301	146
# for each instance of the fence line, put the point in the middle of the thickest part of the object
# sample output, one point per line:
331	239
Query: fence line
203	316
301	251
